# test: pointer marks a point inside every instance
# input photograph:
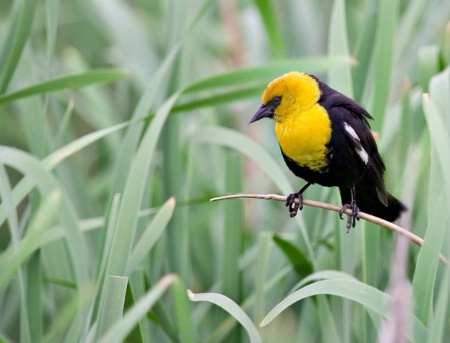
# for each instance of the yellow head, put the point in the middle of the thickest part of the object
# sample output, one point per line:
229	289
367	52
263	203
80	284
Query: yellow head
288	95
302	126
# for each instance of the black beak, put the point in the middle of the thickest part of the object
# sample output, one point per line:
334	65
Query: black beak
264	111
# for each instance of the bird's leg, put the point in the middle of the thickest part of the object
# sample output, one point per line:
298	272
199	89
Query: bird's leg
294	206
351	219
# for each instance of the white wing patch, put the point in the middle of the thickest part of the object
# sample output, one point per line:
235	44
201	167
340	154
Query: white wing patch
358	147
363	154
352	132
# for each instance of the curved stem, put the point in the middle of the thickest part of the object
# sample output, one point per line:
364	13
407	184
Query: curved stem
368	217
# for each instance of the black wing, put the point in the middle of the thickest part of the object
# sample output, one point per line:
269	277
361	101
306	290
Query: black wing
352	120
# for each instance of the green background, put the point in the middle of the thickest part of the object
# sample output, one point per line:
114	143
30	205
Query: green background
119	120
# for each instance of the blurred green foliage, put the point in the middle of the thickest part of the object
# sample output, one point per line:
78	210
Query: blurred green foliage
119	120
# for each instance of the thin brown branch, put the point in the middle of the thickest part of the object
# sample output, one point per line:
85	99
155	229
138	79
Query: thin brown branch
380	222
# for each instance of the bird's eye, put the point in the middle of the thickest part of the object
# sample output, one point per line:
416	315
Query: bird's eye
275	101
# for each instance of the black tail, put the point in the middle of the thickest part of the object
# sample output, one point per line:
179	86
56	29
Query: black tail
367	200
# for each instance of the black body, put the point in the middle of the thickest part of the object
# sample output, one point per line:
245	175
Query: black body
345	168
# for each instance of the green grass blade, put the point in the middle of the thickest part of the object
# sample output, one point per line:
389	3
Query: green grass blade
114	300
135	335
35	297
384	56
66	82
328	321
339	78
10	209
216	100
18	35
429	64
439	88
440	317
50	162
43	218
58	328
233	309
151	235
76	243
164	319
233	227
437	121
323	275
267	12
438	220
134	191
408	24
130	140
64	124
46	183
56	157
133	315
370	297
52	15
363	51
266	73
138	332
98	303
5	195
262	263
296	257
183	313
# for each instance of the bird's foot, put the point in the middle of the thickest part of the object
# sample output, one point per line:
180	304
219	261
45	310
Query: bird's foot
351	219
292	205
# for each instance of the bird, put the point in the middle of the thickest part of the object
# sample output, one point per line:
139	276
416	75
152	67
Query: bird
325	138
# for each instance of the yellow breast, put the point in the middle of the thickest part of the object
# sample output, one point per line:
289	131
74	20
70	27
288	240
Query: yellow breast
303	137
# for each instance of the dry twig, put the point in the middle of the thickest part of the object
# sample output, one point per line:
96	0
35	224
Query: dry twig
380	222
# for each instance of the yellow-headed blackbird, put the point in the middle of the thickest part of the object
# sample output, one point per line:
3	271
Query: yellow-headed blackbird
325	138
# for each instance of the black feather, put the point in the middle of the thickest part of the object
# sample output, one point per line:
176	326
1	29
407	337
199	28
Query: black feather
345	166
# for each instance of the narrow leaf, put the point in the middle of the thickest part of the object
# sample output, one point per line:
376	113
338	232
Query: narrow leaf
66	82
134	191
233	309
183	312
268	12
265	73
370	297
114	301
19	33
151	235
296	257
119	331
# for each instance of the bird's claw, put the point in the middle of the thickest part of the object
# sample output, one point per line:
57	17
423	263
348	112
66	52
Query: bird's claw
294	206
351	218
